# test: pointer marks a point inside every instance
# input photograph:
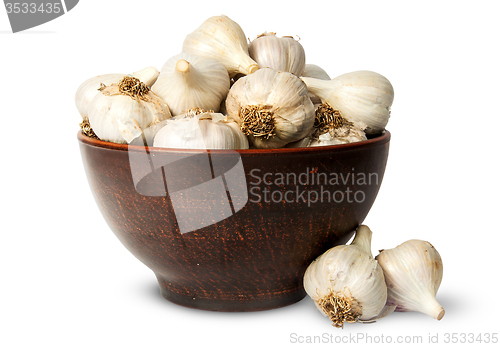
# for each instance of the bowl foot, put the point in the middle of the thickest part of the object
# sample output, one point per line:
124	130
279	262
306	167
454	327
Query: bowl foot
229	302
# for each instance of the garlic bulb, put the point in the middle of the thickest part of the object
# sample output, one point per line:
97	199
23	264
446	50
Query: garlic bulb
330	128
201	130
222	39
119	112
314	71
346	283
272	108
362	97
188	81
280	54
90	88
413	272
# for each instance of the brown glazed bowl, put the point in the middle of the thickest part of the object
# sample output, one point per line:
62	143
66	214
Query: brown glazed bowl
233	230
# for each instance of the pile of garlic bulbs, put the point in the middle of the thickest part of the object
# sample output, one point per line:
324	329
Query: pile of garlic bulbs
264	89
348	285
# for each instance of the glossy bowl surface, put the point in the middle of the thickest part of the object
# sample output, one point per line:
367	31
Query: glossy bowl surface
233	230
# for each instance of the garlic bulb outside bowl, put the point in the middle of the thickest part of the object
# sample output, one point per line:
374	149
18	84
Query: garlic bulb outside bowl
413	273
203	130
346	283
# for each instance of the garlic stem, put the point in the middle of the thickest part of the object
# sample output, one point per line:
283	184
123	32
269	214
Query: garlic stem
363	239
182	66
148	75
252	68
431	307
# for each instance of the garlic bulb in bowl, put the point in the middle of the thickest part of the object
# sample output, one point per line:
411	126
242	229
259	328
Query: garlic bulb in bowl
330	128
278	53
413	273
188	81
314	71
120	112
272	108
90	88
346	283
222	39
199	129
362	97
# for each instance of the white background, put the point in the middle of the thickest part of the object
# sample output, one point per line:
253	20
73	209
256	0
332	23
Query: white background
67	281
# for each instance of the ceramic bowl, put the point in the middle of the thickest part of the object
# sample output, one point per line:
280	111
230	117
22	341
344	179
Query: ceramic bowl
233	230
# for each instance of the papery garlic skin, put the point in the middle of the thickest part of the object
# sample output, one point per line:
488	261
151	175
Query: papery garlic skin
413	272
116	117
347	274
222	39
363	97
278	97
90	88
314	71
188	81
328	139
205	130
278	53
330	128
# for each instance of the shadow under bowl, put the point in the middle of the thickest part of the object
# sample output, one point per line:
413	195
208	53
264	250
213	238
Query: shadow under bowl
233	230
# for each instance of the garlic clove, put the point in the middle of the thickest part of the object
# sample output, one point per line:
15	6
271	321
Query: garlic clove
119	112
346	283
413	273
199	129
272	108
188	81
90	88
362	97
278	53
222	39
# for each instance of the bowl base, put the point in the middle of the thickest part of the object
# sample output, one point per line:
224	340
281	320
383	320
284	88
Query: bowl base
230	303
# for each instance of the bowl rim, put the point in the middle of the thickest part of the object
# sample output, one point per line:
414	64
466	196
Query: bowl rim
379	139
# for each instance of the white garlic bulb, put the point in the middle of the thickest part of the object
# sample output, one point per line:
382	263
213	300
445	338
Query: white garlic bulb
188	81
272	108
120	112
363	97
90	88
413	272
201	130
330	128
314	71
222	39
280	54
346	283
